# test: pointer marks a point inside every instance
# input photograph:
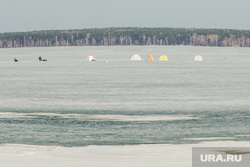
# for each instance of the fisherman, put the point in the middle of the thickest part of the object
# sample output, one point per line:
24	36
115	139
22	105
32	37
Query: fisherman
15	60
40	58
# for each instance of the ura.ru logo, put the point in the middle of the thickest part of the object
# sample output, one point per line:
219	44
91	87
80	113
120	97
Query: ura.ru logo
220	158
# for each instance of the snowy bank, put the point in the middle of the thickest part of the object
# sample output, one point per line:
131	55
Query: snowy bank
107	156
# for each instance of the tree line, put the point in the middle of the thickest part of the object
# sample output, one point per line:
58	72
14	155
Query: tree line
127	36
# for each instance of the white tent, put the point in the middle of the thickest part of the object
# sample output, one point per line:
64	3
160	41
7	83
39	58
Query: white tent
198	58
135	57
91	58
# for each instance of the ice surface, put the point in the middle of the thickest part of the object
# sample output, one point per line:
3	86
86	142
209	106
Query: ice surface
101	117
68	101
104	156
68	82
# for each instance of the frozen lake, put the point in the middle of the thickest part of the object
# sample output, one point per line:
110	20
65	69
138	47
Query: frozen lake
70	102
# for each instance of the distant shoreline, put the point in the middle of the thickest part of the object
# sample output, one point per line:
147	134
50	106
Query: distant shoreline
127	37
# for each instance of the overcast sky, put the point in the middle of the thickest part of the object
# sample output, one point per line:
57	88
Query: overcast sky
29	15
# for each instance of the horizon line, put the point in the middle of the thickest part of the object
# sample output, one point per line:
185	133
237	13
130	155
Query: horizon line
77	29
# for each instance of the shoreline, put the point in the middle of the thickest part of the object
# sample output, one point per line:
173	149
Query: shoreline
130	155
86	46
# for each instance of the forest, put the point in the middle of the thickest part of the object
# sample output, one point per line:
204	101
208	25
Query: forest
127	36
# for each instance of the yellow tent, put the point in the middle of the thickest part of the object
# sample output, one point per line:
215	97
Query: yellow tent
163	58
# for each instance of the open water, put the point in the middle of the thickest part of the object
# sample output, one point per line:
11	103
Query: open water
70	102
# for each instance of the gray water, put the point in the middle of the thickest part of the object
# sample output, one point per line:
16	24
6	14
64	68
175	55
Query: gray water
68	101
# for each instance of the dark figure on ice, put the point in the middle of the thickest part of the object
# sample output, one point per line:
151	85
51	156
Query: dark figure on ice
40	59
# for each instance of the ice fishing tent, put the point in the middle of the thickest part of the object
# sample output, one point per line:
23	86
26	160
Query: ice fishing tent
91	58
135	57
149	58
198	58
163	58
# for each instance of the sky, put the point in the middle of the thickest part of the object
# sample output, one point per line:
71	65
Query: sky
34	15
